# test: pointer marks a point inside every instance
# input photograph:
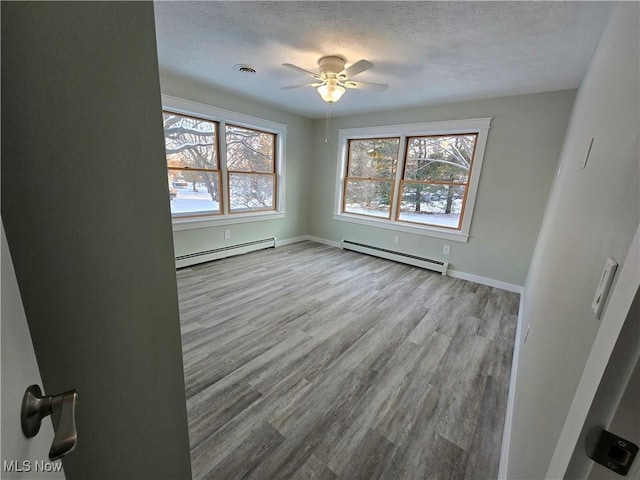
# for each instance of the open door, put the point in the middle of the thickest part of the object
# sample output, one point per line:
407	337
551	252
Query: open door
607	372
22	458
87	218
615	405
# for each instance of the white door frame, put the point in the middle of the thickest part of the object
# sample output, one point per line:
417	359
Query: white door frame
614	317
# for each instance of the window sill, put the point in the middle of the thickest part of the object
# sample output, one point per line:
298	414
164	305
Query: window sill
207	222
426	231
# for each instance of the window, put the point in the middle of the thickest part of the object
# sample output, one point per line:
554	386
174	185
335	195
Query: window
250	169
192	164
222	166
420	178
435	180
371	173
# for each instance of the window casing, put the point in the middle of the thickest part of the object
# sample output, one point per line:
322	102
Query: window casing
419	178
193	169
251	173
223	167
435	179
369	181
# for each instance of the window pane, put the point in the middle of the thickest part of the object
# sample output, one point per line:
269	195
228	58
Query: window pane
373	158
368	197
439	205
190	142
249	150
251	192
194	192
443	158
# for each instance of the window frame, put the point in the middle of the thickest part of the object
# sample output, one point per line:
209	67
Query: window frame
271	173
223	118
477	126
216	171
347	177
404	180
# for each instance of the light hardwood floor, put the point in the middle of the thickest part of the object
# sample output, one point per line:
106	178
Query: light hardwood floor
310	362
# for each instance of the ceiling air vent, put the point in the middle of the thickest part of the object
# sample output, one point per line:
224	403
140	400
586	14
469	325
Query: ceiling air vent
245	69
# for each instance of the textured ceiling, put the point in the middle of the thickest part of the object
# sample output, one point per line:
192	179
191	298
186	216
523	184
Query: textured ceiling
427	52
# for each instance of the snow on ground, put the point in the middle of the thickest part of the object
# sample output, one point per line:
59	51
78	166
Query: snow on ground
438	219
367	211
188	201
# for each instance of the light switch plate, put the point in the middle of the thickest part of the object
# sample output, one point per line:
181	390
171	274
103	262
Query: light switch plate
602	291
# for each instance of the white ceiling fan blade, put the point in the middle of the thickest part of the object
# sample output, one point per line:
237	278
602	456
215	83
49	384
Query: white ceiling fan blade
357	68
318	84
301	70
378	87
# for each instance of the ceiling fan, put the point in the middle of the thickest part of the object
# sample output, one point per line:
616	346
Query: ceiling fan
333	78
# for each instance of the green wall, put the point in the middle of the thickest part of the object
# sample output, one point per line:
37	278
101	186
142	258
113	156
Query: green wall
85	209
522	151
523	147
297	175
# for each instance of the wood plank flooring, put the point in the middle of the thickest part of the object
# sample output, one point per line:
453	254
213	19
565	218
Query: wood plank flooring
310	362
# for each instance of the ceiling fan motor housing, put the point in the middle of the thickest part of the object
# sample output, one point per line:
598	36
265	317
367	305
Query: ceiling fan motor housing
331	65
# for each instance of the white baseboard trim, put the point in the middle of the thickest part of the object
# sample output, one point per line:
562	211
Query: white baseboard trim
325	241
289	241
508	420
304	238
510	287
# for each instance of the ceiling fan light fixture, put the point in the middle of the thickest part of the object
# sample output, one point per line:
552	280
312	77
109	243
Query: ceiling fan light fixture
333	78
331	92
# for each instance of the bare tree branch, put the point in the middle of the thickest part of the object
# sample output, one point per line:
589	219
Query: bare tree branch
437	160
184	147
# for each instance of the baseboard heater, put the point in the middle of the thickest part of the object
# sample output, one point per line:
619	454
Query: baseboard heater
414	260
223	252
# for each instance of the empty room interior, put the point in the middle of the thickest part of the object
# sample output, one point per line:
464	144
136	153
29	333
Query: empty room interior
322	240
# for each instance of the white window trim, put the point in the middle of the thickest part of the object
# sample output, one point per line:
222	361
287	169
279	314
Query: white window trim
475	125
222	116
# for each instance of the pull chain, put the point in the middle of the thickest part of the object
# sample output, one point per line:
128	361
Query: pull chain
326	125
